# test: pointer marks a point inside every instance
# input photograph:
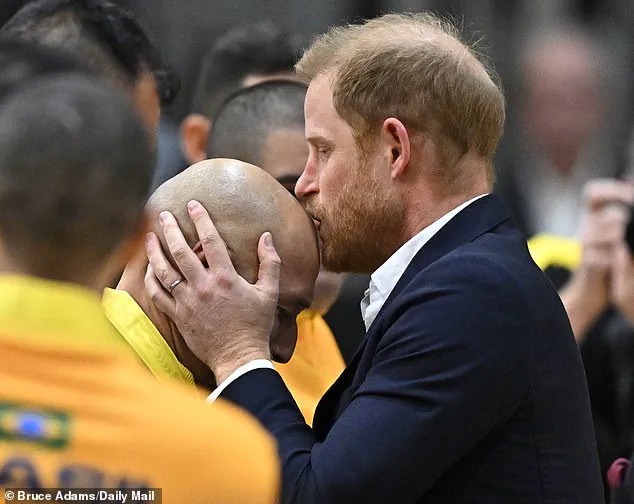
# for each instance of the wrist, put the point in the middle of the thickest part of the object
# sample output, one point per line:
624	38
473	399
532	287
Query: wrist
225	366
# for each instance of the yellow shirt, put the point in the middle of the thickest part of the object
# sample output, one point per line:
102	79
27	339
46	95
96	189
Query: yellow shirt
549	250
77	410
315	365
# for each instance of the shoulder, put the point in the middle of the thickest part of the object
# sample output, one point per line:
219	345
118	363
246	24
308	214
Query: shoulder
219	446
484	291
491	270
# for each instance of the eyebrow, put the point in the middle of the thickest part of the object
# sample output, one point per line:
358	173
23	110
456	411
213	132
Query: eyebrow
318	139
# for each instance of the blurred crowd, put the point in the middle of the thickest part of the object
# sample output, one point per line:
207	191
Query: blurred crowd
565	167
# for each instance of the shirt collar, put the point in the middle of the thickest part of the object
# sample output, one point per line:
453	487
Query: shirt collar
143	336
385	278
55	313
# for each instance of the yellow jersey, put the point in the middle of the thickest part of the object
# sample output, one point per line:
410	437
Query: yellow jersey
315	365
555	251
78	411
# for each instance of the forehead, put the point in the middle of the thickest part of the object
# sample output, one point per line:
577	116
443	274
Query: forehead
319	97
322	119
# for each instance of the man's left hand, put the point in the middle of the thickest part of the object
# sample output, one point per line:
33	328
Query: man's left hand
225	320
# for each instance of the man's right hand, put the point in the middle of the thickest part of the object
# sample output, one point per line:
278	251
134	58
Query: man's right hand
587	294
225	320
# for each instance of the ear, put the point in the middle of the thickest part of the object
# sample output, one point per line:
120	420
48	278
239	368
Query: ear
397	140
195	130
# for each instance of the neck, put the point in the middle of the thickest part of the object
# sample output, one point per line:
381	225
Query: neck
132	282
431	199
11	265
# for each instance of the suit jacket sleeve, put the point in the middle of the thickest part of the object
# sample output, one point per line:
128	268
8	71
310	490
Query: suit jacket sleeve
449	367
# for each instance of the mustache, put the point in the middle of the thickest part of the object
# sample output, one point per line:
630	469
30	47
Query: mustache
315	211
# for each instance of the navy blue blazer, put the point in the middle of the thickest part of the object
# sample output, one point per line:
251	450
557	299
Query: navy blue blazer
468	388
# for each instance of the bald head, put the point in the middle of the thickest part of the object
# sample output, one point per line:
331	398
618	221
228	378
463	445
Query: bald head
244	202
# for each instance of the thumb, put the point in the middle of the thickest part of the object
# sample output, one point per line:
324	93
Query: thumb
270	264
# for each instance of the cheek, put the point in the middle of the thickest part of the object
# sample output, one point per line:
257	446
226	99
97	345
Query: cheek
335	180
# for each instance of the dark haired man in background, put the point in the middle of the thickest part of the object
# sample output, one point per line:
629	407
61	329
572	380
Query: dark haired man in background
242	57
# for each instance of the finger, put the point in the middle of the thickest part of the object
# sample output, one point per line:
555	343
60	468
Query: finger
184	257
163	270
610	225
602	191
162	300
610	233
621	256
606	224
270	265
212	243
600	257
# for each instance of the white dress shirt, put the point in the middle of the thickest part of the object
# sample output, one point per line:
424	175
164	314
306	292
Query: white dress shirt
382	282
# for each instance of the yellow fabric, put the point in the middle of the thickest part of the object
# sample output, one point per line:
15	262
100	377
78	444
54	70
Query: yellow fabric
549	250
106	421
141	334
315	365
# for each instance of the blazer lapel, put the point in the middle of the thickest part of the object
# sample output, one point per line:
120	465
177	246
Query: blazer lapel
325	412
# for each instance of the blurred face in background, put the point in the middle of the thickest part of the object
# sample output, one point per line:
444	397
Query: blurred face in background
284	155
562	99
360	215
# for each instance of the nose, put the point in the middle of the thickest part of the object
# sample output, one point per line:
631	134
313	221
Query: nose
308	182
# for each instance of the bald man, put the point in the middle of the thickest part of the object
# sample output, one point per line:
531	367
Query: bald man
264	125
245	202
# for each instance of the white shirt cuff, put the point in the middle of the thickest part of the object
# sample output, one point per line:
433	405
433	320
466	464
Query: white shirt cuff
249	366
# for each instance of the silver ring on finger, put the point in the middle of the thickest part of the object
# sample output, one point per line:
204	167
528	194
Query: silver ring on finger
175	284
